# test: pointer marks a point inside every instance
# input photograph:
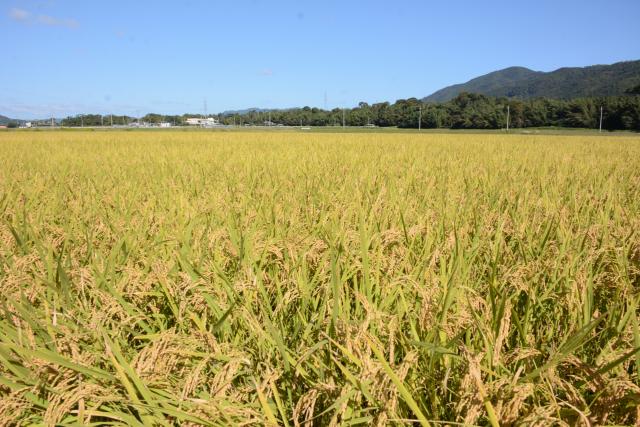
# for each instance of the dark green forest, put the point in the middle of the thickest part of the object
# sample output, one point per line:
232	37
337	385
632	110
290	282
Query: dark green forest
466	111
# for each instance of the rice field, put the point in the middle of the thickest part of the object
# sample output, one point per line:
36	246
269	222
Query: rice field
211	278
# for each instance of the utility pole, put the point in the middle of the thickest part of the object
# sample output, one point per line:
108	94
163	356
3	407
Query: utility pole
111	116
101	121
343	119
81	121
269	118
508	113
601	109
420	118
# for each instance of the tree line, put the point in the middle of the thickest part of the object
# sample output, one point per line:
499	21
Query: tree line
466	111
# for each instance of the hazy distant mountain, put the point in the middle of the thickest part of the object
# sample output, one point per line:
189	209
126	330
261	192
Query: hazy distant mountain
564	83
245	111
255	110
4	120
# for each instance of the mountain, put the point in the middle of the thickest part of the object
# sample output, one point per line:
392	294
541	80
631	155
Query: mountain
563	83
4	120
245	111
253	110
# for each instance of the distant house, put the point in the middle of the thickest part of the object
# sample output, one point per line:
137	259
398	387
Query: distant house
3	127
208	122
164	125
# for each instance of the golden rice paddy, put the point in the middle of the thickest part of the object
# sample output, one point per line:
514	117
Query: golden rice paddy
282	278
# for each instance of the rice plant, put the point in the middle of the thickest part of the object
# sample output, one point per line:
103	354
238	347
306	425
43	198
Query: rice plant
294	279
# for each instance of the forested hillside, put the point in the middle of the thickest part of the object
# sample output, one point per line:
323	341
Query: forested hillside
564	83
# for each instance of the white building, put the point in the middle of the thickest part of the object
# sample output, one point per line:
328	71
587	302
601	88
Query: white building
208	122
164	125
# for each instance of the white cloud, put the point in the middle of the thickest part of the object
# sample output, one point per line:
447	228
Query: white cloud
25	17
55	22
267	72
20	15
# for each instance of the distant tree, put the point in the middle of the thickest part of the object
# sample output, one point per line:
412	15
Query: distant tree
466	111
12	125
152	118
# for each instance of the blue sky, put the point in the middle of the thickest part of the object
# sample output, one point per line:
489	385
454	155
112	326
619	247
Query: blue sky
68	57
